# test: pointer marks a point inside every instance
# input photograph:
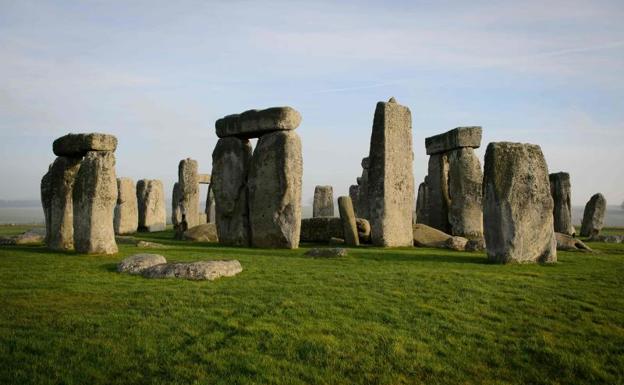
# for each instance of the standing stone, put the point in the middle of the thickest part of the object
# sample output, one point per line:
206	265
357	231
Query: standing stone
210	205
390	176
354	191
561	191
593	216
57	200
151	202
126	211
188	178
347	216
275	191
323	205
95	197
230	167
439	196
517	205
176	205
465	180
422	202
362	202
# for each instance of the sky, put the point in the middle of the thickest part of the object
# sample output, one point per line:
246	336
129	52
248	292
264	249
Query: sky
158	74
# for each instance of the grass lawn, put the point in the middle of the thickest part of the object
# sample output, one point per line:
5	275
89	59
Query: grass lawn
394	316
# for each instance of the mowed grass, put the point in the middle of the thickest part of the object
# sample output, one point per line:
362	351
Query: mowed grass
394	316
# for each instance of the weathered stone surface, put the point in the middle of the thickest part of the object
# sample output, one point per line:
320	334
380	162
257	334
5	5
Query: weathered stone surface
206	232
126	220
203	270
390	176
561	191
427	236
255	123
568	243
422	203
354	190
517	205
327	252
230	168
477	244
607	238
347	216
320	229
176	205
210	205
150	245
465	180
94	200
35	235
203	178
57	201
323	204
135	264
275	191
188	179
456	243
366	163
362	204
77	145
459	137
363	230
439	195
151	203
593	216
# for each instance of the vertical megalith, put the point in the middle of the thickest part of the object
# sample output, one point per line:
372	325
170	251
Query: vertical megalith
188	179
561	191
390	176
210	205
422	202
94	200
126	211
151	203
176	208
439	196
323	204
593	216
465	180
517	205
57	199
230	167
275	190
361	204
349	225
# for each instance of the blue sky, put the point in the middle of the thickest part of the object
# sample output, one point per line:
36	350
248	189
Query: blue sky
157	74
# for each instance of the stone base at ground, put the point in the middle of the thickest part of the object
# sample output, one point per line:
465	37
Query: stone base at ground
203	270
568	243
206	232
135	264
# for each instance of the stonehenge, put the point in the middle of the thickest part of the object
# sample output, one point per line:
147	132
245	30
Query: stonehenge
126	218
361	203
347	217
593	216
79	194
323	204
185	195
258	195
210	205
450	198
390	176
517	205
560	189
151	204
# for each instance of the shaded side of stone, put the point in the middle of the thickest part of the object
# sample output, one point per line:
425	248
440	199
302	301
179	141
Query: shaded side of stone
439	198
151	204
561	191
323	203
465	180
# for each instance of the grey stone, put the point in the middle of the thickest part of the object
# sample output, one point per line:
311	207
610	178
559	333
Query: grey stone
206	232
210	206
327	252
230	168
456	243
607	238
320	229
593	216
323	204
363	230
347	216
427	236
362	204
459	137
568	243
135	264
176	205
57	201
561	191
77	145
422	203
150	245
188	179
151	203
202	270
34	235
476	244
255	123
275	190
390	176
126	219
517	205
439	199
366	163
94	200
354	191
465	180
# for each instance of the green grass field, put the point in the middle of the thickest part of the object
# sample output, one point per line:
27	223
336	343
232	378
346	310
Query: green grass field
395	316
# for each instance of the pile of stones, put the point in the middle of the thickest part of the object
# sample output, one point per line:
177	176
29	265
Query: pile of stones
79	194
258	195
